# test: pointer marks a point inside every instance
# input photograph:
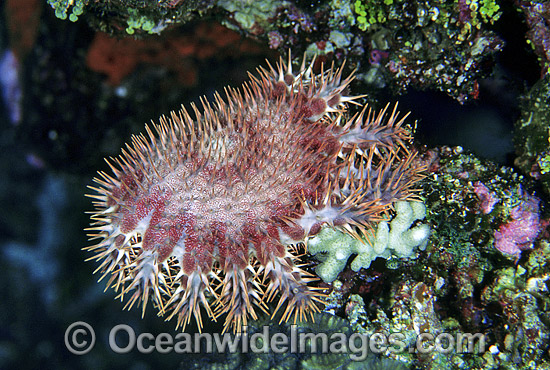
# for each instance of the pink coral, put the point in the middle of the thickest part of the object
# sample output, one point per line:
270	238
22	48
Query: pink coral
486	197
519	234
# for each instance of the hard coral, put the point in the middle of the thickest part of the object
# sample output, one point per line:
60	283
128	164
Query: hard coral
400	241
205	209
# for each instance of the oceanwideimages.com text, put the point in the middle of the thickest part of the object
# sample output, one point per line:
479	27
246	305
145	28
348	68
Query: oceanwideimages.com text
80	339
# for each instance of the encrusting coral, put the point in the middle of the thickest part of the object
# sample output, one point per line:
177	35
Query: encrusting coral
210	211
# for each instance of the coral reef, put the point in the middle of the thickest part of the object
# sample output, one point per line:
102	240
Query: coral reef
249	14
532	134
461	284
537	16
396	44
477	197
442	46
412	313
72	95
310	359
521	294
398	239
220	197
446	46
130	17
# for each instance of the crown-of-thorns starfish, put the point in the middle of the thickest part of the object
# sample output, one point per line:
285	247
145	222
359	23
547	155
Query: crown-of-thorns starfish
207	210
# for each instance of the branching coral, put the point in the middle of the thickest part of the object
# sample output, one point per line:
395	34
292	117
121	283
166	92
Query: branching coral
395	238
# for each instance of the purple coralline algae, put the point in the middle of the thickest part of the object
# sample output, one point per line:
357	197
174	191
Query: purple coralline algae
486	197
521	231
